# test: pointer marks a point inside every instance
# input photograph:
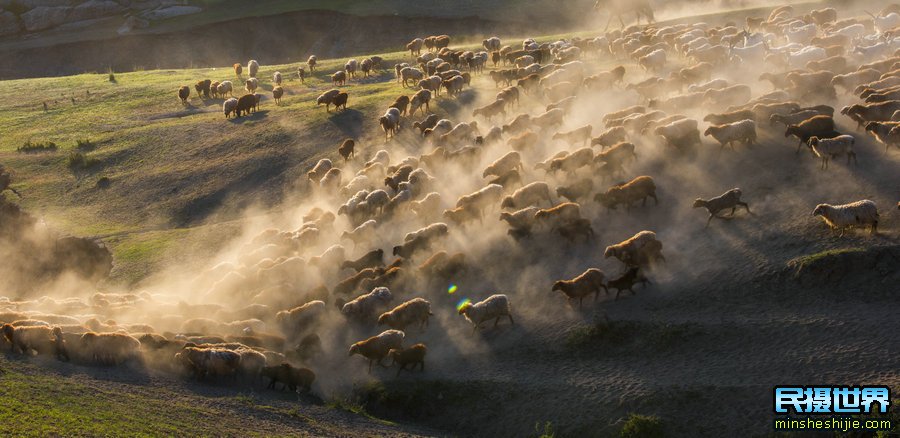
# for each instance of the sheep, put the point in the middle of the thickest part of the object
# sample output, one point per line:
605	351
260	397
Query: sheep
434	230
862	113
730	199
364	306
319	170
340	101
184	92
414	355
521	219
610	137
493	307
550	118
390	122
560	214
290	377
376	348
509	95
639	250
639	188
793	118
850	81
497	107
245	104
346	149
224	88
252	68
730	117
653	61
460	132
251	85
818	126
339	77
238	69
577	159
614	159
605	80
214	362
827	148
28	338
416	310
530	194
681	134
408	74
884	132
860	213
110	348
590	281
627	281
512	160
742	131
370	259
577	190
580	135
301	319
327	98
362	233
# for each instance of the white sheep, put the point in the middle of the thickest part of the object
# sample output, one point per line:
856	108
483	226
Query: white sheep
512	160
416	310
855	214
827	148
364	306
742	131
377	347
482	198
434	230
654	61
520	220
427	207
229	106
300	319
529	195
276	77
361	234
493	307
252	68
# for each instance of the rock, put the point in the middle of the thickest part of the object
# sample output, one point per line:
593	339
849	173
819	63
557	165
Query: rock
171	11
131	23
31	4
45	17
9	24
95	9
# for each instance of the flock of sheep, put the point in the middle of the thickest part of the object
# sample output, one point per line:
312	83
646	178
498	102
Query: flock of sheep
289	282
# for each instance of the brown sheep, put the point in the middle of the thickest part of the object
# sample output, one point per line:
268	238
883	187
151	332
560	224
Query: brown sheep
203	87
576	190
346	149
627	281
376	348
244	104
27	338
580	135
401	103
414	355
290	377
277	93
184	93
238	69
572	230
339	78
818	126
590	281
639	188
340	101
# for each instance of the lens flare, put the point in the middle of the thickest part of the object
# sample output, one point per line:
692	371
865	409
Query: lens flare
462	303
452	289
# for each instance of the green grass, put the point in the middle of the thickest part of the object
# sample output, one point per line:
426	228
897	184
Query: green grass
33	148
803	261
642	426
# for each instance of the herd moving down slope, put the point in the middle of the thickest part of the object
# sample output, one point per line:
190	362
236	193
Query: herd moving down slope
448	219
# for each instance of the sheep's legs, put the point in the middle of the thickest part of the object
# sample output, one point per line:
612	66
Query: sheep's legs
745	205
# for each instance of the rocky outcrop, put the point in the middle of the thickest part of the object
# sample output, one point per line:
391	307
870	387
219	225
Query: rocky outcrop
171	11
45	17
94	9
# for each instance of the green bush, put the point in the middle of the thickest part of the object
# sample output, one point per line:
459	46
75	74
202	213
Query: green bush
642	426
79	161
34	148
84	145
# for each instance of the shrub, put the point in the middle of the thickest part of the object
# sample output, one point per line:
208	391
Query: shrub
79	161
84	145
34	148
642	426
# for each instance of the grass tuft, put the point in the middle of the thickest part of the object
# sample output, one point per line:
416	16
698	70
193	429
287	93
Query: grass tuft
642	426
35	148
77	161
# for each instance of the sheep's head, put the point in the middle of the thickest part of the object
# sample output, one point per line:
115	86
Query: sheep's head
558	286
354	349
871	126
820	210
464	309
791	130
610	252
699	203
57	332
708	132
8	331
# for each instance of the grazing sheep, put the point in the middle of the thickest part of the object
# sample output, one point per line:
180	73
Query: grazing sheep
627	281
202	88
638	189
277	93
390	122
238	69
251	85
493	307
346	149
377	347
742	131
312	61
414	311
590	281
327	98
252	68
730	199
639	250
408	74
414	355
827	148
224	88
415	46
855	214
184	93
462	215
229	106
340	101
290	377
28	338
339	77
301	319
245	103
529	195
